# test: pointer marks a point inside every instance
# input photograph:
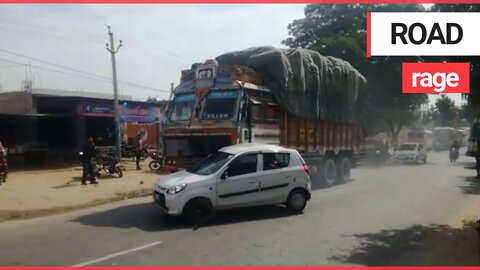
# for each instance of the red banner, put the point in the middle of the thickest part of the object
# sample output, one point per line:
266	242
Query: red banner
435	78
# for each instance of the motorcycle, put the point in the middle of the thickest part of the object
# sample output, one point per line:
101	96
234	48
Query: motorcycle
453	154
129	151
157	161
109	164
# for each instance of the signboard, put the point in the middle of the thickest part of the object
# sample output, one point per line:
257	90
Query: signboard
222	94
97	109
129	112
184	98
139	113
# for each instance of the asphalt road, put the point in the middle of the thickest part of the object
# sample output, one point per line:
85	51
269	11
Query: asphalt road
380	217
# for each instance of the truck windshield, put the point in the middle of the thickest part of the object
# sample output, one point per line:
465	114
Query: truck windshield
211	164
407	147
182	107
220	105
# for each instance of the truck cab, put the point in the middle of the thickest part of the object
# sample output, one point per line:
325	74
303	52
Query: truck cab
213	107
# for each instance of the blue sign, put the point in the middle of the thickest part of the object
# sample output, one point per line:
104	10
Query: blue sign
129	111
184	98
222	94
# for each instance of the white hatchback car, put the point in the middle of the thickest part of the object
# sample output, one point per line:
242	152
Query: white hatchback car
410	152
236	176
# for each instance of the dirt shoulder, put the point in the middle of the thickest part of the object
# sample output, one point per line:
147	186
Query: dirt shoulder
38	193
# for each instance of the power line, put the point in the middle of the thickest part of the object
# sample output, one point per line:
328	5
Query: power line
10	66
81	71
96	78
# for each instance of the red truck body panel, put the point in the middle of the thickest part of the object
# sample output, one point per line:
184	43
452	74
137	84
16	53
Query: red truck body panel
307	135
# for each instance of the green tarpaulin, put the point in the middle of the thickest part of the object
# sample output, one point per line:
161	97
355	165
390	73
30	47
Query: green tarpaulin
305	82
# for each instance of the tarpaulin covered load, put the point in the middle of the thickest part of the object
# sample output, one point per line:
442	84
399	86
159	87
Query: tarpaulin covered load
305	82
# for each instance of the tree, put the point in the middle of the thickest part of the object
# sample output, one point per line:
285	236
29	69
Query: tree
474	96
447	111
467	113
429	116
339	30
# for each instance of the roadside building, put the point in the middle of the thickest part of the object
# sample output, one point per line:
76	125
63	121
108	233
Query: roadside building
51	125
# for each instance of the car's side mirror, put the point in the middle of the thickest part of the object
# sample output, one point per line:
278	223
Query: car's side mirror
224	175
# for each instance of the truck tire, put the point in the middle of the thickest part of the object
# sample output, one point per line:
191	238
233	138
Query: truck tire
328	172
343	169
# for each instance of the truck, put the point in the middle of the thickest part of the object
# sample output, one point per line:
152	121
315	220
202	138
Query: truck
473	138
224	102
443	137
421	136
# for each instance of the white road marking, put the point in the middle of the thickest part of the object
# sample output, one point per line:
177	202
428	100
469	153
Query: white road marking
108	257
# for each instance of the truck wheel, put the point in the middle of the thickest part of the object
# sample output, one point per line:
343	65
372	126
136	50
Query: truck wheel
296	201
329	172
343	169
197	211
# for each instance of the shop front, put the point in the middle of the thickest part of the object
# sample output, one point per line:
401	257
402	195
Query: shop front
135	118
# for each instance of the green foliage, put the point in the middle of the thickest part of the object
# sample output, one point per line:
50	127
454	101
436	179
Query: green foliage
474	96
466	112
447	112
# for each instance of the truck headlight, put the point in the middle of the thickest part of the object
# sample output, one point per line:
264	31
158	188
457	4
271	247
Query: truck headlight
176	189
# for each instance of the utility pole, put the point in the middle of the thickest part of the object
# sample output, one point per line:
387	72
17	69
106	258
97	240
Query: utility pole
116	108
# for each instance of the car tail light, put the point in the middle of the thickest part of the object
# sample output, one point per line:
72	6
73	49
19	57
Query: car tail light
306	169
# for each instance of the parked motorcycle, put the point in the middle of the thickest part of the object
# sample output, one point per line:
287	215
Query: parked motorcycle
157	161
129	151
109	164
454	153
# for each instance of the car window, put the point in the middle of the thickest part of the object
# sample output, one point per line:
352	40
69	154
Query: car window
242	165
407	147
273	161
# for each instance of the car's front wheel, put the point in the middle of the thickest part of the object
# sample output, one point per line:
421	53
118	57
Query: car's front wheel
297	200
197	211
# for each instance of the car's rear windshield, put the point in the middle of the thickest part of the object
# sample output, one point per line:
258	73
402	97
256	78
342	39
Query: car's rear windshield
407	147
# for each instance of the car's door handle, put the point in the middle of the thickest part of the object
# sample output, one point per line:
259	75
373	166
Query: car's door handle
253	182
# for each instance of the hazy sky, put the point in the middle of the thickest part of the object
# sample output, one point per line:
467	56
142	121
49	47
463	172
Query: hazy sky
158	42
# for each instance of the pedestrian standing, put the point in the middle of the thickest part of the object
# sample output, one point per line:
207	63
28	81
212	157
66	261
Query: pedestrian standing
138	150
87	162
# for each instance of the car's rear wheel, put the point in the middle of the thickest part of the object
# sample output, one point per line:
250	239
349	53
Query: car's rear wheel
297	200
